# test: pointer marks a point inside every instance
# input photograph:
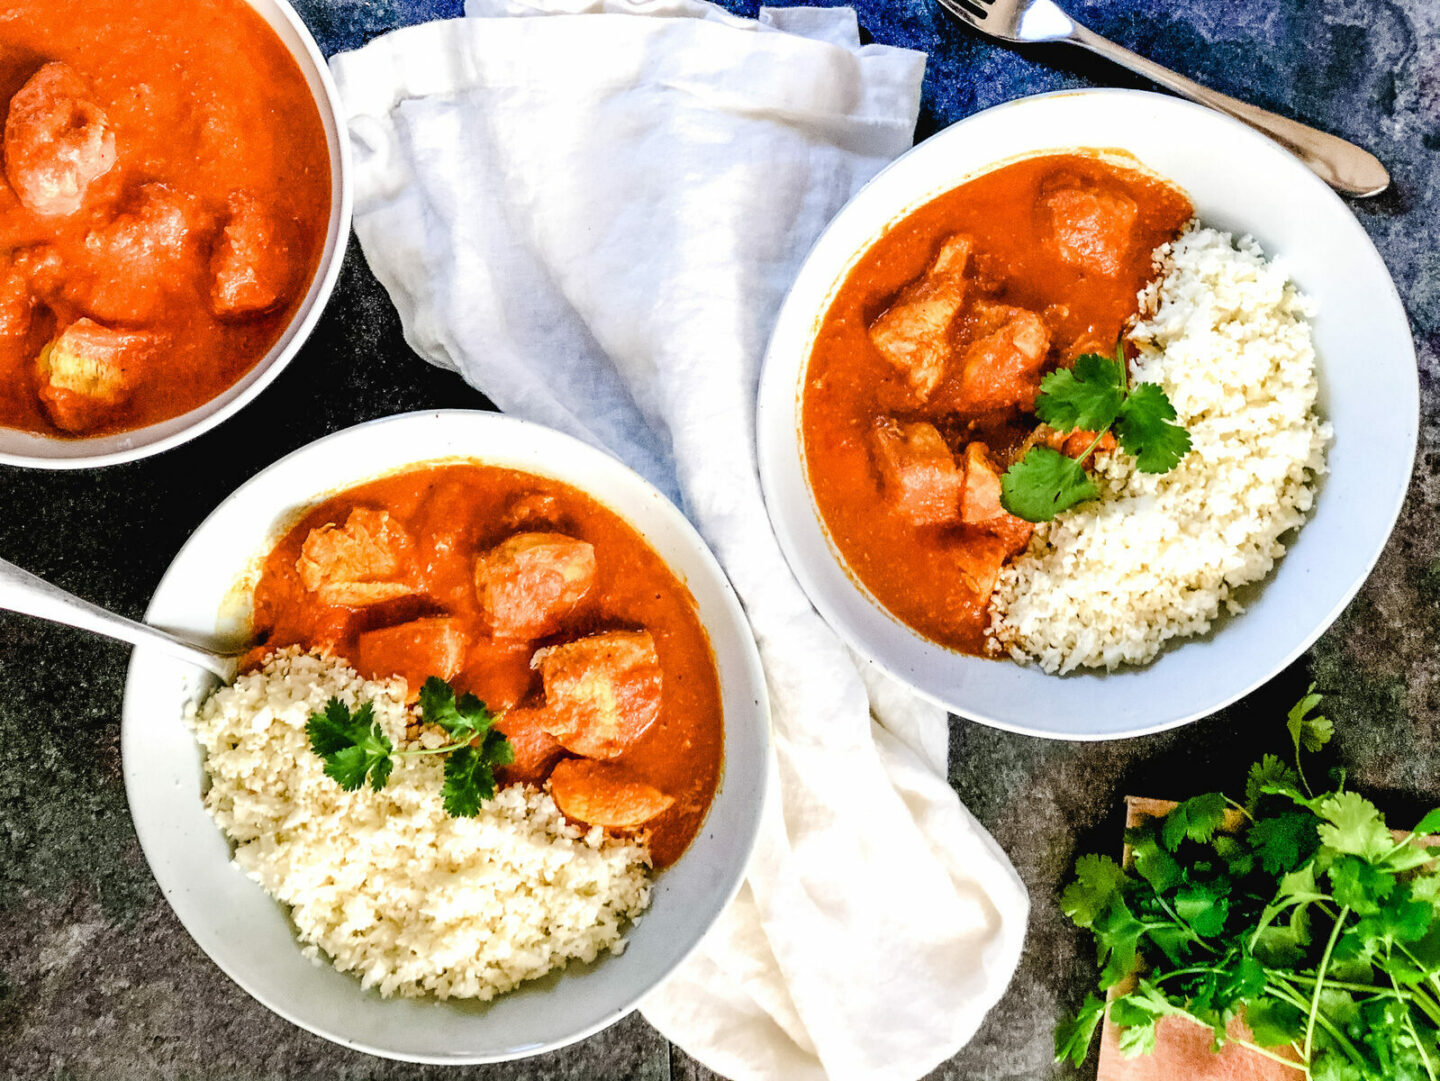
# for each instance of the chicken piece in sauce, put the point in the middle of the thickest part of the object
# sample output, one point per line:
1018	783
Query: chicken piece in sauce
536	750
917	471
433	646
605	794
980	505
358	564
58	141
1004	363
528	583
17	306
1091	228
252	263
89	371
601	692
913	333
136	261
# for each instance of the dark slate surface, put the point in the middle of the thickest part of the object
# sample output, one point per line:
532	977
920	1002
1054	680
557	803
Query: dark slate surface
98	980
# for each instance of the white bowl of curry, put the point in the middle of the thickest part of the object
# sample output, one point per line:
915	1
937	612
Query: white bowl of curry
174	208
874	515
457	487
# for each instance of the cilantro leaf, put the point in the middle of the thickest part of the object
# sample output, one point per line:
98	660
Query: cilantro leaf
1044	483
1136	1019
1198	819
1147	429
1274	1023
1097	881
1204	907
1074	1035
1309	733
1284	841
1269	771
1353	825
1087	396
353	746
462	718
470	774
1151	862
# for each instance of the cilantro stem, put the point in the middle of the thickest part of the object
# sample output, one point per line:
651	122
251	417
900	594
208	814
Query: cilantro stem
1320	977
1247	1044
1240	807
1288	994
1183	925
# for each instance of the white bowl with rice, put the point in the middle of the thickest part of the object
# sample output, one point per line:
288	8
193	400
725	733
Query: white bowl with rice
1309	456
281	815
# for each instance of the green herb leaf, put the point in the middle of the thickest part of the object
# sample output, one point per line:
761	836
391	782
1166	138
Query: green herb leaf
1044	483
1265	776
1087	396
1309	733
1284	841
1093	395
1147	429
353	746
1074	1035
1097	881
1274	1023
1198	819
1354	825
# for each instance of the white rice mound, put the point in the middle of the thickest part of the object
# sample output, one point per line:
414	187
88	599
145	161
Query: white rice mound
1227	336
387	884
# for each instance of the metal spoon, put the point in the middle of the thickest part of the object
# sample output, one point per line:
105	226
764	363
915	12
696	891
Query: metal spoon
1344	166
21	591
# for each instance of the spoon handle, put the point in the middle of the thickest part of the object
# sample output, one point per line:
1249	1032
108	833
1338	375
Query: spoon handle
21	591
1344	166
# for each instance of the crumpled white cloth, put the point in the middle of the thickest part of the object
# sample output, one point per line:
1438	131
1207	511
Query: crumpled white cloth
592	210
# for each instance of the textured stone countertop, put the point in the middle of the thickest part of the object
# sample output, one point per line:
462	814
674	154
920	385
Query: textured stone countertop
99	980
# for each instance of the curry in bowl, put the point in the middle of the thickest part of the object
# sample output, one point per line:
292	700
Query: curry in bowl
1048	415
165	202
482	711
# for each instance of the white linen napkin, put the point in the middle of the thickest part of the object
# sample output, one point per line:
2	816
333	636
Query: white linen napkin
593	216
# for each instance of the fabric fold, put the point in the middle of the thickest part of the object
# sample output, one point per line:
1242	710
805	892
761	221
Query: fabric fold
592	210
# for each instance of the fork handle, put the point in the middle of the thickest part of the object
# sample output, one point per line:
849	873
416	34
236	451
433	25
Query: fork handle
1342	165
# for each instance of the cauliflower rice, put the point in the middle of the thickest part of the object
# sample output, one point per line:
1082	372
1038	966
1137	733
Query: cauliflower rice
1227	336
387	884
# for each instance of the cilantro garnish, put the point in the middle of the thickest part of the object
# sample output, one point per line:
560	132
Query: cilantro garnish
355	748
1303	914
1092	396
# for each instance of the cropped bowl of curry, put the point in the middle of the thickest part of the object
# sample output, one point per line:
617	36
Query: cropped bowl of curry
502	717
1074	384
172	208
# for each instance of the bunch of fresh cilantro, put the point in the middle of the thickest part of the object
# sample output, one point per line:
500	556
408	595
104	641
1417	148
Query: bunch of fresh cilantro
355	748
1093	396
1300	913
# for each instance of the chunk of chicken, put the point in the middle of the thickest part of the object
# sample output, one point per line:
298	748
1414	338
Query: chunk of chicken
359	564
434	646
251	262
980	504
89	371
913	333
529	582
917	471
536	750
532	509
1091	229
136	260
17	306
1002	368
605	794
58	141
601	692
979	562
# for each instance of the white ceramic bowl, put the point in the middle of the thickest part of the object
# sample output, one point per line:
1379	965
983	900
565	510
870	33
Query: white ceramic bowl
49	452
1239	181
248	934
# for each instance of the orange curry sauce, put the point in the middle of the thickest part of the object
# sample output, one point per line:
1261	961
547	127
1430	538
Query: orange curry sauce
203	111
934	576
451	514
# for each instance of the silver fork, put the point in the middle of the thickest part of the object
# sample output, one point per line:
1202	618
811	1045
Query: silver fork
1344	166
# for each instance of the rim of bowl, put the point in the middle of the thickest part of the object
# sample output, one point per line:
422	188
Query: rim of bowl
132	444
567	447
785	400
